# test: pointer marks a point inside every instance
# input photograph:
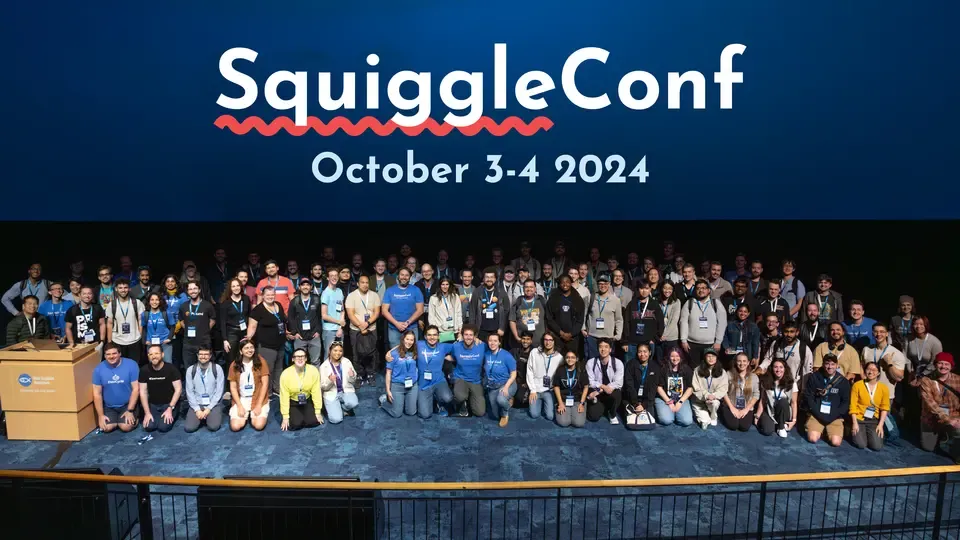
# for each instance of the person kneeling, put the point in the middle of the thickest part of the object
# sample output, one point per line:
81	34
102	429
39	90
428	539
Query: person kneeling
300	400
674	388
249	379
743	396
160	390
115	391
570	387
205	383
827	397
606	382
402	376
337	377
710	384
869	406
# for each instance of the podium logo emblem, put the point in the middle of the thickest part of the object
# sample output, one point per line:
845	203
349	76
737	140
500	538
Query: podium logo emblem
25	380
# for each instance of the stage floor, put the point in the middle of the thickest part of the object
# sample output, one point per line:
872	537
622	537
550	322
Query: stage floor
373	446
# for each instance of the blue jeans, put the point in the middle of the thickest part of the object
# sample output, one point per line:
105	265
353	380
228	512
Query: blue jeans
439	392
404	400
665	416
167	352
345	401
499	405
394	335
590	349
545	400
329	336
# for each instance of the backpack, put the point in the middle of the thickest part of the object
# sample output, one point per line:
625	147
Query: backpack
113	309
18	301
794	288
213	367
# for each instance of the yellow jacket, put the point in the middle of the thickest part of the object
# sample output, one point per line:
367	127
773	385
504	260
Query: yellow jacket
291	386
860	399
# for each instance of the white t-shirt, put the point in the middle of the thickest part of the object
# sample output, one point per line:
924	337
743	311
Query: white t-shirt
126	319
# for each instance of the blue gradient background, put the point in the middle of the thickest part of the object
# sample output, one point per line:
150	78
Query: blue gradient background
846	110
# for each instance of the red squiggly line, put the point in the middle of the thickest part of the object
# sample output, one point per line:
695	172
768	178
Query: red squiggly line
337	123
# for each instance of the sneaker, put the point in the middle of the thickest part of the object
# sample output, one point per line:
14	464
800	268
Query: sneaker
614	421
704	425
349	412
504	420
463	412
443	412
713	422
383	399
782	433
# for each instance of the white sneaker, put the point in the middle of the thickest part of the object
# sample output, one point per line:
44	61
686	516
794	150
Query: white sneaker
782	433
713	422
614	421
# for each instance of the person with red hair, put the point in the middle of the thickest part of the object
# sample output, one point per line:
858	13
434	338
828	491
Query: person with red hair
940	412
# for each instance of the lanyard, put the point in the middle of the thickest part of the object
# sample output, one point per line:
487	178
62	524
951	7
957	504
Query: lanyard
155	322
302	375
645	304
250	377
923	345
601	306
238	308
702	307
363	301
904	327
740	385
774	304
871	392
33	327
881	357
754	287
379	284
663	308
942	391
571	378
306	305
547	286
123	312
57	315
487	296
823	302
709	384
529	304
88	316
274	285
34	291
275	313
203	379
643	376
787	355
445	304
689	292
743	330
338	371
194	313
816	326
777	392
548	362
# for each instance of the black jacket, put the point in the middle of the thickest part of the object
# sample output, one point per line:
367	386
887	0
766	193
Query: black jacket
633	380
838	396
644	327
558	306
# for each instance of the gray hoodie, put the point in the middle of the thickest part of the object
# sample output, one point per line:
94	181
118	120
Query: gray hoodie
690	327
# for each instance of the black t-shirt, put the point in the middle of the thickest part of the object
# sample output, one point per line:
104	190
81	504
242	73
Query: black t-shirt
732	304
271	331
675	382
84	320
580	382
159	382
779	307
196	322
521	357
231	313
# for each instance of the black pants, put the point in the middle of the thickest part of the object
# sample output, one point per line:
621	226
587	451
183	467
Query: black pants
734	423
134	351
368	364
607	404
781	415
233	337
695	356
482	335
302	416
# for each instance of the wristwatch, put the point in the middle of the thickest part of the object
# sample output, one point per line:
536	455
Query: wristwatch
583	403
131	411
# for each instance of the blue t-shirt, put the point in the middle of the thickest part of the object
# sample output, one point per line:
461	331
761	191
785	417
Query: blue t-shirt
402	369
154	326
430	359
469	366
497	366
116	382
333	299
402	302
173	306
55	314
860	335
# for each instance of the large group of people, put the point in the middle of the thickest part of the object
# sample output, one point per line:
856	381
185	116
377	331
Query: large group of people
643	343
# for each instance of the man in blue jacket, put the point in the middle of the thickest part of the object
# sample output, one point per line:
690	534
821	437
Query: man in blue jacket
826	396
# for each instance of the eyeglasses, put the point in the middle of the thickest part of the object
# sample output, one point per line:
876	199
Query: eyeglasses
300	356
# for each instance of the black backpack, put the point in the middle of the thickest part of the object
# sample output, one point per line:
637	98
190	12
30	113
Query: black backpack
213	367
18	301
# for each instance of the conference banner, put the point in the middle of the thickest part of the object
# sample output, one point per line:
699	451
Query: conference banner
480	111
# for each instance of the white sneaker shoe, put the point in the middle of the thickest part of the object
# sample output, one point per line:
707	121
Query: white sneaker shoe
614	421
782	433
713	422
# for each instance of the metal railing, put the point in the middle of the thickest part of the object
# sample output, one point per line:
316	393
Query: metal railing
913	503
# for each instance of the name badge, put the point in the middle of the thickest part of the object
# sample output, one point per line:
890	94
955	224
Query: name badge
427	376
703	322
640	328
280	290
280	328
246	390
739	349
408	383
243	325
366	318
546	381
640	392
125	328
870	412
88	336
450	319
945	410
305	324
488	314
531	326
339	307
568	402
191	331
301	399
204	399
824	407
154	341
599	324
741	402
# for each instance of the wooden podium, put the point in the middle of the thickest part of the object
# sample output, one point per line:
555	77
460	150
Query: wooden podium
47	392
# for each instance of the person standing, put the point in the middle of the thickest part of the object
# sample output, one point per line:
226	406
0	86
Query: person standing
363	310
123	322
465	291
28	324
205	383
528	313
331	311
160	389
565	312
234	311
33	285
702	323
283	288
719	287
303	321
104	293
791	288
604	319
829	301
219	275
644	323
844	354
445	312
775	305
742	336
268	327
143	287
116	389
858	328
86	320
55	310
157	327
197	317
402	306
489	309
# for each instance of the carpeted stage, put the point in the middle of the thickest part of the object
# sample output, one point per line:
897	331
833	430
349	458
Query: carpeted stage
373	446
